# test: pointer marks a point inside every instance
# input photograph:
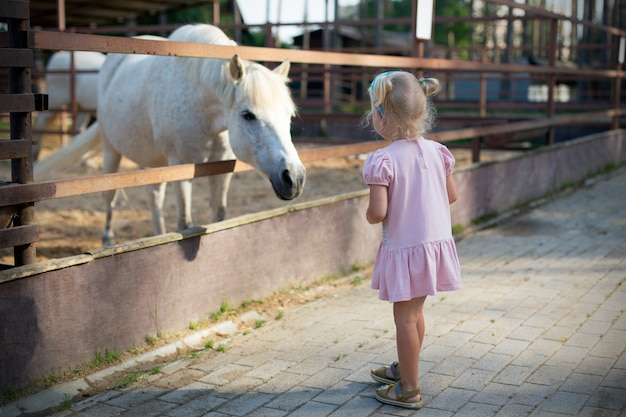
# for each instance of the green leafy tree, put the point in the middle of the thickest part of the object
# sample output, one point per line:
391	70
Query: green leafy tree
457	32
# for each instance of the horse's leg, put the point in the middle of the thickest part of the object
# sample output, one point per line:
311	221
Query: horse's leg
218	192
157	198
107	234
182	190
219	184
111	163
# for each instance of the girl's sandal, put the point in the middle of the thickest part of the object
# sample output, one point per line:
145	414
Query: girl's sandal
401	400
380	374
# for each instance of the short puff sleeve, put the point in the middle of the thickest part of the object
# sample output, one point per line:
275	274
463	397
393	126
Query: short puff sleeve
377	169
448	159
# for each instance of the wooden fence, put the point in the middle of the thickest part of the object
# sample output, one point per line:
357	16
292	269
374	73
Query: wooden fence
18	197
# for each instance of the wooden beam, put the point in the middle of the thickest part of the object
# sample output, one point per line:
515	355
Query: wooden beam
20	235
15	149
16	58
117	44
13	9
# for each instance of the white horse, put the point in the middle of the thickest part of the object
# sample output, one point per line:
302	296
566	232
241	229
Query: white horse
160	110
59	89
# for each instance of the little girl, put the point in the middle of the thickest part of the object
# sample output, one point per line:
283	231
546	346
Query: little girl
411	189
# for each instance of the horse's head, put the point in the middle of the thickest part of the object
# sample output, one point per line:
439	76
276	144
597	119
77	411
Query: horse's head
259	125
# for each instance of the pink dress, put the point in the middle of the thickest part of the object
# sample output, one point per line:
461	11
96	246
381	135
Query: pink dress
417	255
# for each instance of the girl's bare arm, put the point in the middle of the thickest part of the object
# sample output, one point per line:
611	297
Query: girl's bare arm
377	209
451	187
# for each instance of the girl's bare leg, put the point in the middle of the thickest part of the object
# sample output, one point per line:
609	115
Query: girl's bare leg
410	328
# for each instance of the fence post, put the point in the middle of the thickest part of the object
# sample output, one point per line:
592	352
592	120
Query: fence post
552	50
21	128
483	87
617	83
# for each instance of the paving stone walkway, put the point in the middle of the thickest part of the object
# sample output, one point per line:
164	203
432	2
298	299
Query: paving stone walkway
539	330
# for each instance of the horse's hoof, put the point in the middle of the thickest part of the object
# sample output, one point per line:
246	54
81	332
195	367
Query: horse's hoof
107	241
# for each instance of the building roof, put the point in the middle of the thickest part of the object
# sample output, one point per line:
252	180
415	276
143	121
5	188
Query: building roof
353	36
90	13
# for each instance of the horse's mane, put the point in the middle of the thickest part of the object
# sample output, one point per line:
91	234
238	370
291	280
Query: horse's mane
265	87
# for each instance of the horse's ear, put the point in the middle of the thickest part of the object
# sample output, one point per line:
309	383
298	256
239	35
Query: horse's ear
283	68
236	68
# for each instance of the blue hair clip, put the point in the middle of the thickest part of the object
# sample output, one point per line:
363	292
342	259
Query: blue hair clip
376	104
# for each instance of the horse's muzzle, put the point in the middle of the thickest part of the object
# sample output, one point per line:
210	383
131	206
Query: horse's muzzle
289	183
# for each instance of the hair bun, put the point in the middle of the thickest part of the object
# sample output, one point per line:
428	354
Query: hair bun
430	86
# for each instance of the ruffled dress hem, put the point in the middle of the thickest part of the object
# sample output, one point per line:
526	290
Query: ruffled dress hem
425	269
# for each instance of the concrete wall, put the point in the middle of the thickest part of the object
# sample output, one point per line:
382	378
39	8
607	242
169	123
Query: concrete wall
501	185
58	314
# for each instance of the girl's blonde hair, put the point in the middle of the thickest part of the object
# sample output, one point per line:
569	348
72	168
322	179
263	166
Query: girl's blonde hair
403	101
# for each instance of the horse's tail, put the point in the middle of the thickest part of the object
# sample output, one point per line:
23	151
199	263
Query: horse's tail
82	147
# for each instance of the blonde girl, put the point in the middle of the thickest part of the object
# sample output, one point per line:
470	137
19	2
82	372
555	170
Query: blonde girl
411	189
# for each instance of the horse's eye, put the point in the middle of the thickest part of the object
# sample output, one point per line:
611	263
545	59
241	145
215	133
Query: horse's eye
248	115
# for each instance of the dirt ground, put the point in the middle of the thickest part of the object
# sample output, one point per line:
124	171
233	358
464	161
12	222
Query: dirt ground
73	225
